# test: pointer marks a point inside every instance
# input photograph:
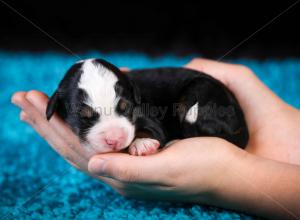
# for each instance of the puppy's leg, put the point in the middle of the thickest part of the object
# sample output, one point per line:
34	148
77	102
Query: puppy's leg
143	146
150	135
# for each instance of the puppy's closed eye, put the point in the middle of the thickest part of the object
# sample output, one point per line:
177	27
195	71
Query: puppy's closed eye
124	106
87	112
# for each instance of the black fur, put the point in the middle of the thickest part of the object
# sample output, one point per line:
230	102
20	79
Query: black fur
172	89
178	89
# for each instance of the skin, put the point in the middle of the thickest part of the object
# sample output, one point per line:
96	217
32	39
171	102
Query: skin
261	180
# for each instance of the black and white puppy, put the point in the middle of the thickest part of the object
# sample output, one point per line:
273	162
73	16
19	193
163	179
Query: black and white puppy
144	109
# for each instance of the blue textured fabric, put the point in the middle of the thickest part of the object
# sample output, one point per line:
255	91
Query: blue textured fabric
36	183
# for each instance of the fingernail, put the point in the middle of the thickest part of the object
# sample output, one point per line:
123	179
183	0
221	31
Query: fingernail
97	166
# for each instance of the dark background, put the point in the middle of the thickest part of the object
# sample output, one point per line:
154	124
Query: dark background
210	28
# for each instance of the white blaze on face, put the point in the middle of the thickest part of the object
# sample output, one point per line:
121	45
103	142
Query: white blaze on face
99	84
192	114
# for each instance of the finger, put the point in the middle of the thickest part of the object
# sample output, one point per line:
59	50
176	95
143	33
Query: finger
43	128
218	70
128	168
18	97
255	98
24	117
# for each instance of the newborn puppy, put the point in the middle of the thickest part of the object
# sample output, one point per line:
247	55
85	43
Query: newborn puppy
144	109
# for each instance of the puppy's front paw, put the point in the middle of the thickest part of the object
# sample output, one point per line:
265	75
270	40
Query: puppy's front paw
143	146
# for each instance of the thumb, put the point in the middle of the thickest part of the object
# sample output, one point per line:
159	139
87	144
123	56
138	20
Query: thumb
128	168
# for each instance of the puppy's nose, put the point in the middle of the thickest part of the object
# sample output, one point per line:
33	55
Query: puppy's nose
111	142
115	137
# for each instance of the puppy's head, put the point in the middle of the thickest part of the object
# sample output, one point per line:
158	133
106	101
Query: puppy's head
97	101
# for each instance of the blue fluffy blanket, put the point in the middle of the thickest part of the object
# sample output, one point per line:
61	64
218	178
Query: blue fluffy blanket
36	183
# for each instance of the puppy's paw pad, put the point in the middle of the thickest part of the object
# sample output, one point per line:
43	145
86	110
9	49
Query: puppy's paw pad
143	146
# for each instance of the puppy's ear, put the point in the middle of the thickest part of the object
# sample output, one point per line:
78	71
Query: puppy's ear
52	105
